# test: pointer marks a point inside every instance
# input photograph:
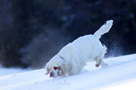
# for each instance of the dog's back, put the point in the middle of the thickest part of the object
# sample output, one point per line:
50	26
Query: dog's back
89	45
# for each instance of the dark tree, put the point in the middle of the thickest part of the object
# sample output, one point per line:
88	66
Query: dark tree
29	30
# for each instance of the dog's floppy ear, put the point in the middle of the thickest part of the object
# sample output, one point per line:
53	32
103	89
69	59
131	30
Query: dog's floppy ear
47	70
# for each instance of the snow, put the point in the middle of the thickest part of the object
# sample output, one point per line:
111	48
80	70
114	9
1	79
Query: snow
129	84
8	71
119	74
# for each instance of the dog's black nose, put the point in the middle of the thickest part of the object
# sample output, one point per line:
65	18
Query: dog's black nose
51	74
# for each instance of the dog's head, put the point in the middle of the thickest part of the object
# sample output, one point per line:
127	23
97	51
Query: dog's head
55	67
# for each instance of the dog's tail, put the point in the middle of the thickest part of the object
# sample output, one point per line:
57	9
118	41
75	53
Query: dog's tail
103	29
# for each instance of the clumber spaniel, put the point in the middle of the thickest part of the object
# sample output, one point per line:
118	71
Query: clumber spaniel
73	57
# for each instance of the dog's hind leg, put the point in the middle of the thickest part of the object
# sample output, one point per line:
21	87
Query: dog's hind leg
98	61
99	58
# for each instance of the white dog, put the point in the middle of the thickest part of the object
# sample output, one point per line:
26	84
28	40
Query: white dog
73	57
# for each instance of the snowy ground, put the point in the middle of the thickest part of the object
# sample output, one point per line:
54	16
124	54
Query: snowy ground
120	74
9	71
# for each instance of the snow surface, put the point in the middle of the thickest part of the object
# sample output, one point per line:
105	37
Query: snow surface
120	74
9	71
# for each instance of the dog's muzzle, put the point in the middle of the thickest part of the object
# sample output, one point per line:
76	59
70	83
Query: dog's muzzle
51	74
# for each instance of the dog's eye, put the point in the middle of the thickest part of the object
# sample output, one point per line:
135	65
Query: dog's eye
55	68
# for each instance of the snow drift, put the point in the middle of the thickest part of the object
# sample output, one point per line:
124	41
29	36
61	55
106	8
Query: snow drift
120	73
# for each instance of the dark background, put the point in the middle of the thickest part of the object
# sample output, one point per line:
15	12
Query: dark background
32	31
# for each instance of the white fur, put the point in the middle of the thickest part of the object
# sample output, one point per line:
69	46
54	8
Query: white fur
73	57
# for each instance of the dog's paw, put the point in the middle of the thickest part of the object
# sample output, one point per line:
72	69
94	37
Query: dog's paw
97	65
